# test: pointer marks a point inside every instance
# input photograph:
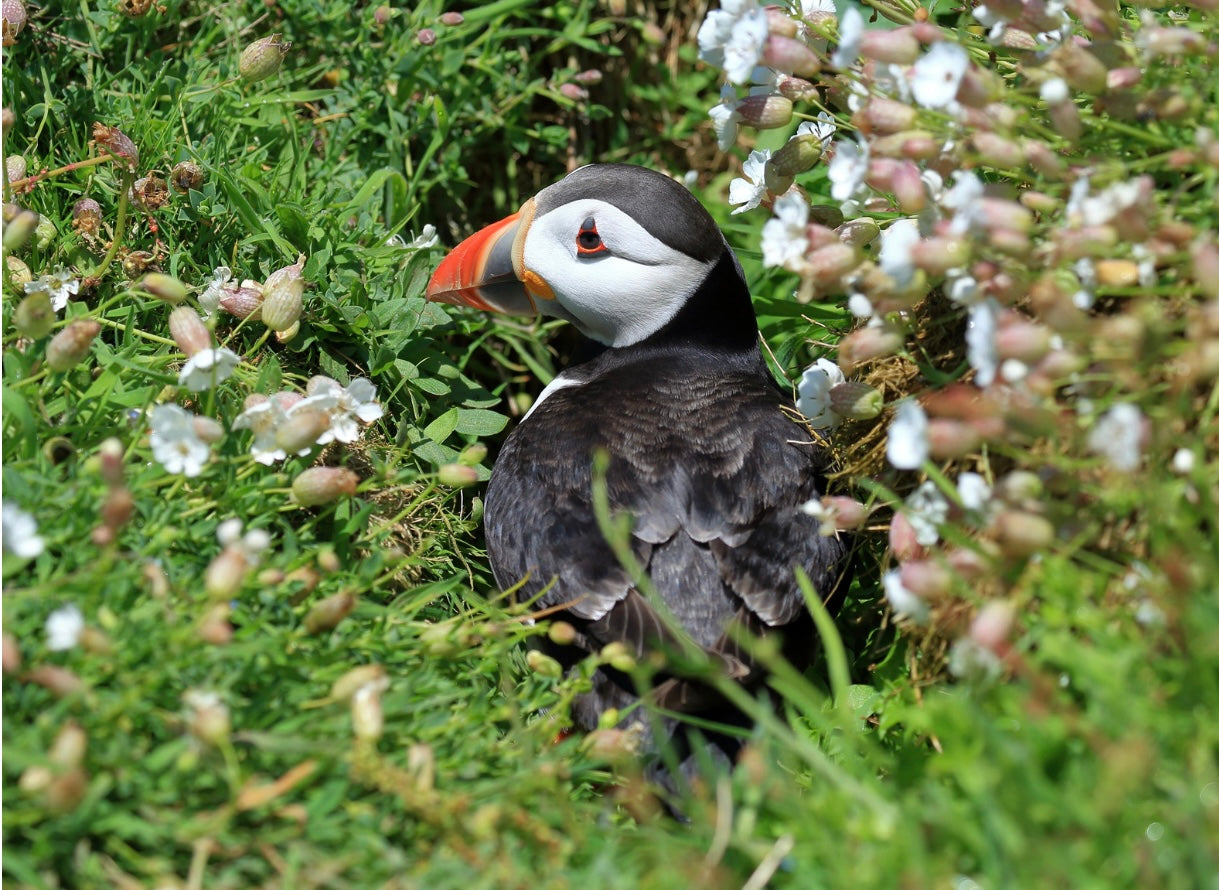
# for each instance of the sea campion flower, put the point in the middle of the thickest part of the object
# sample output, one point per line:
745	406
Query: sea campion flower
908	445
896	251
176	445
348	408
926	509
59	285
847	170
903	602
785	235
21	536
749	191
205	366
850	35
733	38
264	416
980	344
64	627
209	300
724	119
936	77
1118	436
813	394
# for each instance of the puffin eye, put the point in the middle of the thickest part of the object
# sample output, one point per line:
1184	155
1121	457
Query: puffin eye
588	242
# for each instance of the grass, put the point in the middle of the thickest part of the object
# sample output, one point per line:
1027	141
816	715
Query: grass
206	728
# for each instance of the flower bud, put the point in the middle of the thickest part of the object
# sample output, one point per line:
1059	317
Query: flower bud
283	290
117	508
951	438
1021	534
70	345
426	36
14	15
795	88
365	675
898	46
87	216
14	168
855	233
1123	78
908	188
326	614
321	485
19	274
262	58
847	514
886	116
244	302
189	331
34	316
856	400
543	665
115	142
940	253
164	287
367	716
992	627
19	228
914	145
457	475
1204	259
784	53
452	18
208	716
226	573
1022	340
1065	117
616	656
561	633
473	455
68	748
865	344
968	563
780	23
830	263
765	112
1081	69
926	579
60	682
186	176
903	540
12	654
215	628
66	791
998	151
798	154
301	430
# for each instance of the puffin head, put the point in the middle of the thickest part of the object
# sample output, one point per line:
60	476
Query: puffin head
617	250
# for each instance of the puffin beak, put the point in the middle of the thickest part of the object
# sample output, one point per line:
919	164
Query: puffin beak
486	270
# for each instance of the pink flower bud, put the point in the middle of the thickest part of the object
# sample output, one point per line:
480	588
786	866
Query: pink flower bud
60	682
1023	340
1204	259
951	438
283	291
937	254
326	614
856	233
903	541
226	573
780	23
1086	241
215	628
262	58
244	302
969	564
589	77
70	345
926	579
865	344
452	18
321	485
765	112
783	53
426	36
1020	534
999	213
846	513
1123	78
908	188
992	627
1081	69
1065	117
457	475
856	400
997	151
300	432
795	88
830	263
1171	41
1043	159
898	46
117	508
189	331
573	91
883	116
14	16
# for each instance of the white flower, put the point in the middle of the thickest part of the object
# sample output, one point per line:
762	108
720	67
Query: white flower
1098	209
426	238
175	444
1085	271
228	532
59	285
251	545
785	235
937	76
960	287
209	300
847	169
1183	461
1118	436
859	305
824	514
207	367
824	127
964	199
908	444
975	496
347	408
749	191
1055	91
897	243
850	33
972	662
732	38
926	509
64	627
904	603
21	536
812	7
263	418
980	340
813	394
724	118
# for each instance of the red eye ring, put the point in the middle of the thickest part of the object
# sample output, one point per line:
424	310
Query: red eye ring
588	241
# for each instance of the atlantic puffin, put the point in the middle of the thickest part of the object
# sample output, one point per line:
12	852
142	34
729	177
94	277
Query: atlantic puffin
704	452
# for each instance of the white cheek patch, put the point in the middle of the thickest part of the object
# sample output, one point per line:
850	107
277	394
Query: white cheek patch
618	297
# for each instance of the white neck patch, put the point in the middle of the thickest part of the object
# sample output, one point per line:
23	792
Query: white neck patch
560	382
618	297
